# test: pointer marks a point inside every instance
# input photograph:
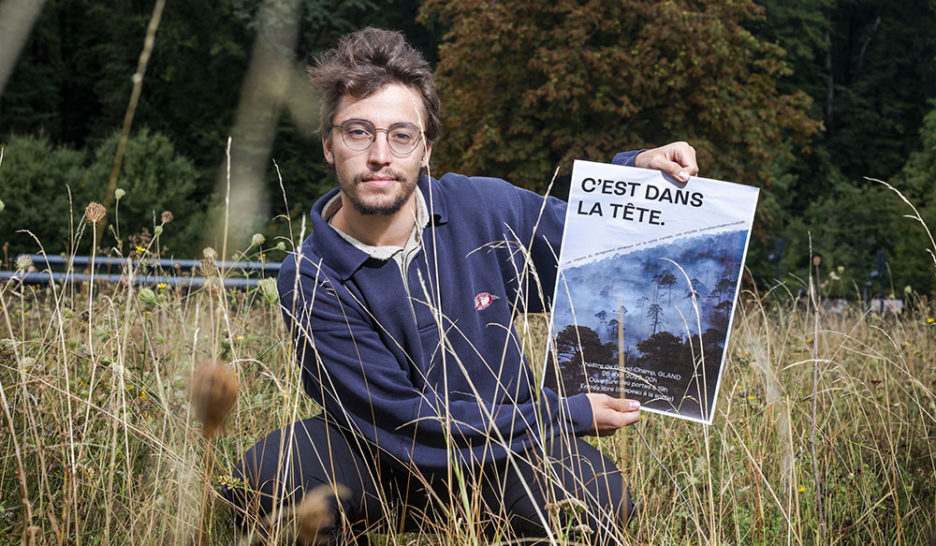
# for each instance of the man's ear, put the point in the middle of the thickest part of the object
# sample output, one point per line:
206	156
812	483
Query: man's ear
425	159
326	148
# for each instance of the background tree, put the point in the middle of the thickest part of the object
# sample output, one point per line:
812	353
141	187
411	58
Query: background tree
667	281
912	250
72	83
870	69
749	82
547	82
38	182
663	349
655	314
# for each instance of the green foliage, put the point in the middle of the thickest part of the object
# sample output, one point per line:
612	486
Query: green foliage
919	174
525	86
912	248
849	221
547	82
38	183
43	186
155	178
846	229
883	72
869	68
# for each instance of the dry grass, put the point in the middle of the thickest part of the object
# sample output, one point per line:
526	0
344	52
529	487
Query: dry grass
100	433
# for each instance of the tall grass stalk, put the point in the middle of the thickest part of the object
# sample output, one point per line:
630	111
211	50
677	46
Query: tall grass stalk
814	301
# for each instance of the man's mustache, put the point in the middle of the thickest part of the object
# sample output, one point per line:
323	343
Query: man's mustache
382	174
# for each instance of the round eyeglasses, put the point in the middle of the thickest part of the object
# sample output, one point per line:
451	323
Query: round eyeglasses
358	135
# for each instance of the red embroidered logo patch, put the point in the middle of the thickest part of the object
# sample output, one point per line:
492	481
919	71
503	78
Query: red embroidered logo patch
483	300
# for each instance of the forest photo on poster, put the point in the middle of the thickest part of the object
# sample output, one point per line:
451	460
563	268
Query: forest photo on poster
673	322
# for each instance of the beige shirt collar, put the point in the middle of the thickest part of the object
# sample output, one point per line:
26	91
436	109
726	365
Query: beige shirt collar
401	254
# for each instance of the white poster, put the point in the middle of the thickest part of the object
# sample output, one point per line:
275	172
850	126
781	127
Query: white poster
649	274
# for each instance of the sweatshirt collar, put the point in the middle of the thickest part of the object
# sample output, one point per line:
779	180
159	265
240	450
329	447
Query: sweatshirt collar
342	256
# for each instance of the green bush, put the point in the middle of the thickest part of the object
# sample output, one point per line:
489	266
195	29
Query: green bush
46	188
154	178
38	185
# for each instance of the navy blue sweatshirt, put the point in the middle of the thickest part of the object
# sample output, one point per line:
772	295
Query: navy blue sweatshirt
436	376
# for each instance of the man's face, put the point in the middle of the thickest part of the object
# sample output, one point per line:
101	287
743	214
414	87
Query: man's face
377	180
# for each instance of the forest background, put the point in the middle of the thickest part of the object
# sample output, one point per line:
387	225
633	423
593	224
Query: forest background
804	99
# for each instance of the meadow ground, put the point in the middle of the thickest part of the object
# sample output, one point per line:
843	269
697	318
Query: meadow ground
825	430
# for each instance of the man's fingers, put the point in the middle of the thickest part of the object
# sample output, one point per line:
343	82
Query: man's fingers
623	404
612	413
672	168
677	159
686	157
630	417
628	411
680	162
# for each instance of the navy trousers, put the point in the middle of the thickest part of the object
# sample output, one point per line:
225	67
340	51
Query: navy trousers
566	485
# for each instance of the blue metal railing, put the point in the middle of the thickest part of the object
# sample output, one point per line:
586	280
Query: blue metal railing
62	269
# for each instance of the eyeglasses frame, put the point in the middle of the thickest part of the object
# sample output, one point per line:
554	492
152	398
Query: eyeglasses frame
397	153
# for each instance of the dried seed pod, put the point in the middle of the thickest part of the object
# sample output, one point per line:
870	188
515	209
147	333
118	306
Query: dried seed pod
208	267
23	262
214	392
7	354
95	212
315	514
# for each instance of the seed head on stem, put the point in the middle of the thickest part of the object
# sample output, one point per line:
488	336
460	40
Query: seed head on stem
314	514
95	212
214	392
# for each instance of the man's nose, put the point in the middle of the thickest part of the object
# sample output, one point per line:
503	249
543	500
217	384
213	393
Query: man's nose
379	151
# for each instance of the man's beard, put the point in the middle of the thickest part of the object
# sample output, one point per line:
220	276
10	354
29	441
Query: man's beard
384	209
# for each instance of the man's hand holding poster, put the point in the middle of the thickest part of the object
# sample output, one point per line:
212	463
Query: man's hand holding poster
648	280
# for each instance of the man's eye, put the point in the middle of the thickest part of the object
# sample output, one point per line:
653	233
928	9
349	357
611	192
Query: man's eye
357	133
403	137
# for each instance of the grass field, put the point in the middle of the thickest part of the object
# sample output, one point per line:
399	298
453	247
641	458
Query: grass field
825	430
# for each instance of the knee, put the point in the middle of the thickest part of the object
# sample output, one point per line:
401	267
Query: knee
292	481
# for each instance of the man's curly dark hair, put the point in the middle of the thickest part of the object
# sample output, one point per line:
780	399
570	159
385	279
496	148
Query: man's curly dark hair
366	61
